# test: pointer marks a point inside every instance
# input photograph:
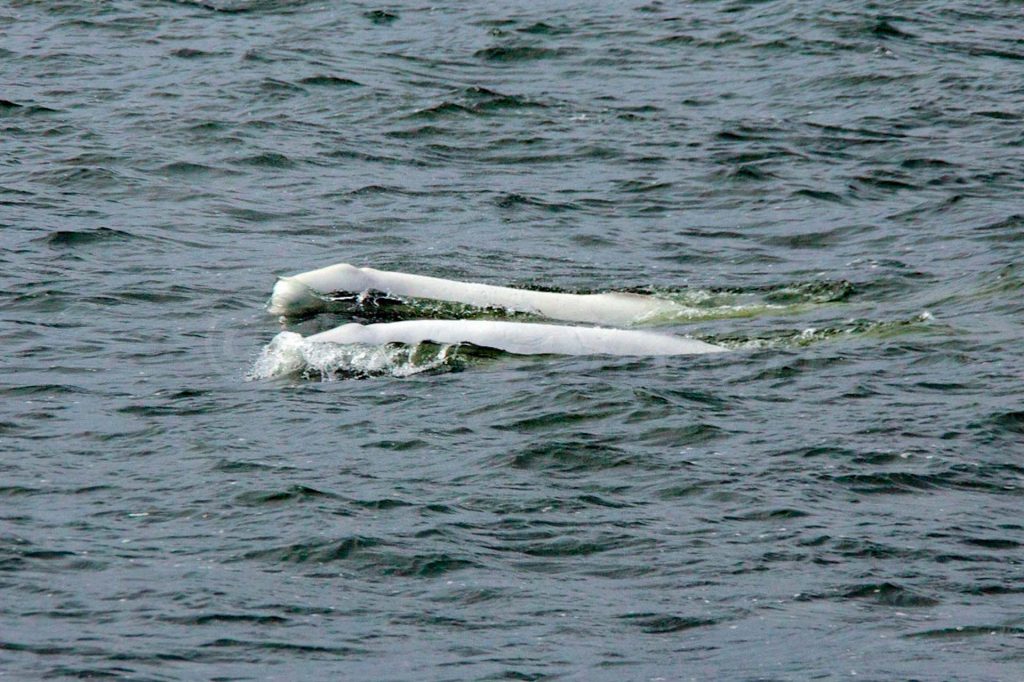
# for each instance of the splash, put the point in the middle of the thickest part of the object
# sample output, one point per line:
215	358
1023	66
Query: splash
290	355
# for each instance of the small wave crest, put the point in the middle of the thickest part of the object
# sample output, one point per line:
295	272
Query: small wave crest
289	354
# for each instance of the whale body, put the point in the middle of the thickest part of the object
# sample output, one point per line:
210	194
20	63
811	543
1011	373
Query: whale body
304	293
521	338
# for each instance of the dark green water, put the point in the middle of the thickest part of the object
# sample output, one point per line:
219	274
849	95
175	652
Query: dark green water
838	498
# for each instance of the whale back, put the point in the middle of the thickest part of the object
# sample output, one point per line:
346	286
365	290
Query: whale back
518	337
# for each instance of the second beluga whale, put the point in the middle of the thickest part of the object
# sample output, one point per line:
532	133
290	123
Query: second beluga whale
519	338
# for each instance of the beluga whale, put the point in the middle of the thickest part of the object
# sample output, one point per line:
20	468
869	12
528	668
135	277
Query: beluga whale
518	338
308	292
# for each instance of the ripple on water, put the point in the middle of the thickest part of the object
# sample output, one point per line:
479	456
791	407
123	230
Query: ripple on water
519	53
73	239
358	554
572	456
657	623
331	81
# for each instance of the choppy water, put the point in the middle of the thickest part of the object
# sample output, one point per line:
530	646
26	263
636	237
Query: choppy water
838	497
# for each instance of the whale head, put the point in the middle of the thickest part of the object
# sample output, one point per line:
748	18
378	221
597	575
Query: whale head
305	292
292	297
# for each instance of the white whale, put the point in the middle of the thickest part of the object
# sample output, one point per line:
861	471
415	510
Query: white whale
521	338
304	293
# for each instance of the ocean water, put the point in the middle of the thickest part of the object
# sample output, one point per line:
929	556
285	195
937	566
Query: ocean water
836	189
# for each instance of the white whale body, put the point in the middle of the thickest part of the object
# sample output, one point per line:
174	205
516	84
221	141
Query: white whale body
304	293
391	347
521	338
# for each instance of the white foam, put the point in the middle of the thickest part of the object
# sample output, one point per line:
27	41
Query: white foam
289	354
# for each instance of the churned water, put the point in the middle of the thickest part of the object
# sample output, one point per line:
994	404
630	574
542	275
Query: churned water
837	190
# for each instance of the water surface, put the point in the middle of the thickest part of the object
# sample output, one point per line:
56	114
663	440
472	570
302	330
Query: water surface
839	496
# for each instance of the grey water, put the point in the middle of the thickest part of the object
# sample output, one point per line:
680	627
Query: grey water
838	497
